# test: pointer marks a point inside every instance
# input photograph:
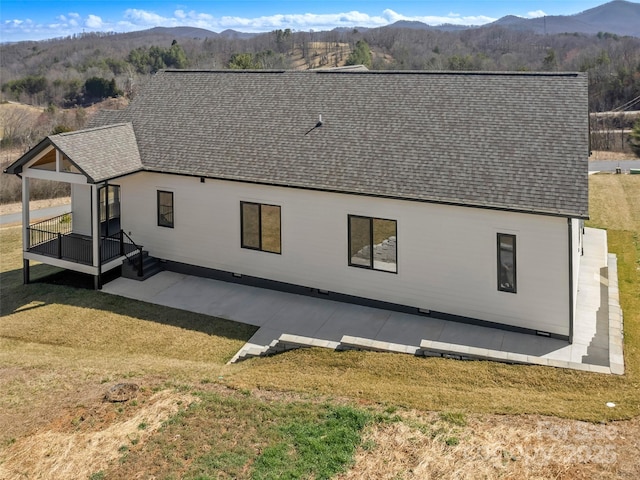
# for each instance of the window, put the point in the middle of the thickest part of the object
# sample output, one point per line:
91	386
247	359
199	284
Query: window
260	225
506	263
165	209
372	243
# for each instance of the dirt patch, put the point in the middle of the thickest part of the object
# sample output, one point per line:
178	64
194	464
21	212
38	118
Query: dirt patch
122	392
85	440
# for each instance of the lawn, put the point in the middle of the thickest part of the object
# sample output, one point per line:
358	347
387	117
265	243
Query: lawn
302	414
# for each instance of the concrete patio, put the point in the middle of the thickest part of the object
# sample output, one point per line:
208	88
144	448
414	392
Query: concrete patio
289	321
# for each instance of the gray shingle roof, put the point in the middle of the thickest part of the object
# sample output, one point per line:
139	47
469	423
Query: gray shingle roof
101	153
515	141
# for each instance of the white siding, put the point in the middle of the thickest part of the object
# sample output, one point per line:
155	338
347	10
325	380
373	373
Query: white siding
81	208
446	254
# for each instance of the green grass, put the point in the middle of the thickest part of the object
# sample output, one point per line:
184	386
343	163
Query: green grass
253	440
313	449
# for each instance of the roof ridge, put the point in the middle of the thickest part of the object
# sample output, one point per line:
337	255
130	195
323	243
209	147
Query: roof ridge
85	130
355	71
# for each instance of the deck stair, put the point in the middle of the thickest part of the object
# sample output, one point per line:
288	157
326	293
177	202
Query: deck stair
150	266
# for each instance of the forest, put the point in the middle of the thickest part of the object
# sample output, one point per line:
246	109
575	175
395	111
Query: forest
78	71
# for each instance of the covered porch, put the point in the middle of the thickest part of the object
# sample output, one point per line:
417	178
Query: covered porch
89	239
56	240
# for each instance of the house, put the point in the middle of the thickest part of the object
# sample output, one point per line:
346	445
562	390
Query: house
454	194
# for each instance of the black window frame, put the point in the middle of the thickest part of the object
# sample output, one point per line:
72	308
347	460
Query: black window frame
161	218
260	247
505	286
371	243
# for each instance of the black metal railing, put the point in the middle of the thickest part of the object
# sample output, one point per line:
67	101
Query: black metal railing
132	251
54	238
120	244
43	231
76	248
111	246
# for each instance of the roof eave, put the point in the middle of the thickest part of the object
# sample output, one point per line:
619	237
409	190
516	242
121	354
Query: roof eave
16	167
437	201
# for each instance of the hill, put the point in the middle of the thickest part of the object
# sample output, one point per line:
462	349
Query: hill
618	17
56	71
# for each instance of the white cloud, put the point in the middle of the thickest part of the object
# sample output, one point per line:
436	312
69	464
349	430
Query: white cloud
137	19
536	14
451	18
73	19
148	19
66	21
93	21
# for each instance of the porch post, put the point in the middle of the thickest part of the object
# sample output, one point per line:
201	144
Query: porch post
95	234
25	229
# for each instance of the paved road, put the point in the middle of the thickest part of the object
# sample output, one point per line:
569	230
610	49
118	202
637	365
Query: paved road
610	165
35	214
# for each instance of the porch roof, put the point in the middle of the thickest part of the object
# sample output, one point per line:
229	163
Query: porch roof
99	153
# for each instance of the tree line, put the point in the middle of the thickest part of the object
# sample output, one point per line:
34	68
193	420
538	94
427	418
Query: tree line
68	72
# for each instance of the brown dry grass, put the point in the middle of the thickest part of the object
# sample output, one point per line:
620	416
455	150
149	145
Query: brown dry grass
492	447
321	55
8	208
613	156
12	111
79	446
614	202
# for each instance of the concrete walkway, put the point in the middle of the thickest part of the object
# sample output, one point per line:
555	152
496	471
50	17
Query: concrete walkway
292	321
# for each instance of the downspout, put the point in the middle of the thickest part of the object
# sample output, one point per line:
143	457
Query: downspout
571	319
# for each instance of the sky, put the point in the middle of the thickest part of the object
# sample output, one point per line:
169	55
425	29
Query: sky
39	20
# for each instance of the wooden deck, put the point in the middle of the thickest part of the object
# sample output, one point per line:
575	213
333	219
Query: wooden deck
79	249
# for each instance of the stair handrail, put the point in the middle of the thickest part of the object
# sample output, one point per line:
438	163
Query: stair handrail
138	250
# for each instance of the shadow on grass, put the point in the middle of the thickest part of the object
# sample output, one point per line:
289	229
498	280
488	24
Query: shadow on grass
51	285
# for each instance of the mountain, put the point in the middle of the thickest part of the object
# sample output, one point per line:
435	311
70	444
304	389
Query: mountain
415	25
619	16
237	35
183	32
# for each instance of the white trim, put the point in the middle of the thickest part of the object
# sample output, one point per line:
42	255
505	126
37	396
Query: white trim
25	213
56	262
95	225
112	264
76	267
38	157
55	176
